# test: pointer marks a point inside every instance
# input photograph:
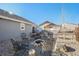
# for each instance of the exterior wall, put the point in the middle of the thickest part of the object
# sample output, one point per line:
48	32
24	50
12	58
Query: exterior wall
51	28
10	29
43	26
55	29
69	26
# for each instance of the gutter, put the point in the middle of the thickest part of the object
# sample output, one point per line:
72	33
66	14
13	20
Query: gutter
16	20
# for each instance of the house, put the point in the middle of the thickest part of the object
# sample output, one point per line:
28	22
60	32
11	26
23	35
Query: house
50	26
68	30
69	26
11	25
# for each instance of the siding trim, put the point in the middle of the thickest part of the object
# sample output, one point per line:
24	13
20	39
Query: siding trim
17	20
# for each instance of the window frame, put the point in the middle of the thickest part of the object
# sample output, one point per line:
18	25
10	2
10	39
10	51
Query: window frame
22	26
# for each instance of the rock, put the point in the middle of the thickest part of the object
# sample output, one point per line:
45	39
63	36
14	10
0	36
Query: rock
32	52
38	43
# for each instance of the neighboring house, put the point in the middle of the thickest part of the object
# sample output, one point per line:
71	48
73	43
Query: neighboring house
67	29
50	27
69	26
11	25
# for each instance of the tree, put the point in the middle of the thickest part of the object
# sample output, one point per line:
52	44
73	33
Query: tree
77	33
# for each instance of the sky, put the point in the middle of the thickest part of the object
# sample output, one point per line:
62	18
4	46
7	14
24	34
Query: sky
40	12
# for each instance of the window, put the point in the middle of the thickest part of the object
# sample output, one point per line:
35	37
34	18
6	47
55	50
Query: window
22	26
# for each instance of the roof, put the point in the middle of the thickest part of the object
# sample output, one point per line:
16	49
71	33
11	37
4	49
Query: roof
13	16
49	23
